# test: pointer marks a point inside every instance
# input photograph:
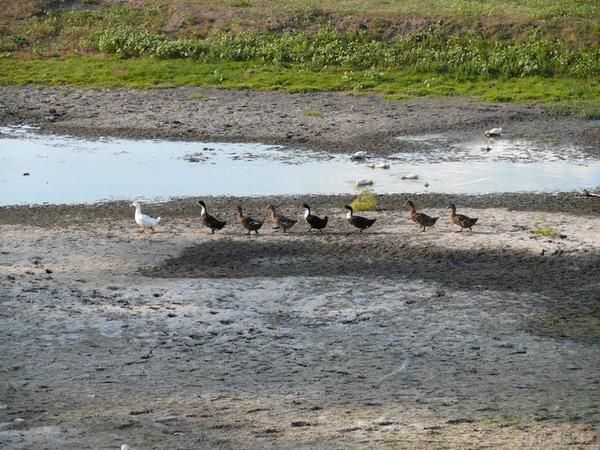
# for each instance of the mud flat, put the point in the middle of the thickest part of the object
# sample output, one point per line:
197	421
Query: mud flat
391	339
322	121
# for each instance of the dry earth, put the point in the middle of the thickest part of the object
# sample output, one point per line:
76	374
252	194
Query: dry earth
391	339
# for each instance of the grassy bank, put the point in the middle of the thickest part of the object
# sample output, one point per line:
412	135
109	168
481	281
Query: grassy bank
566	94
510	50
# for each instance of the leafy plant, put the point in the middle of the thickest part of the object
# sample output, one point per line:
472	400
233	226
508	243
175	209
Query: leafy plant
366	200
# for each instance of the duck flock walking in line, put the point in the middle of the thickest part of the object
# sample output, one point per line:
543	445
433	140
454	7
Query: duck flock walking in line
280	222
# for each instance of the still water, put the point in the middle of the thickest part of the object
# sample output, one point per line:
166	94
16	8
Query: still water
64	169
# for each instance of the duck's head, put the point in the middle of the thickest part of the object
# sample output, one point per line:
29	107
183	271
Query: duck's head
452	207
305	206
135	205
238	210
408	203
271	208
349	208
201	203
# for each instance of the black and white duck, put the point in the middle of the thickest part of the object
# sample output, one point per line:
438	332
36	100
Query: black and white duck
313	221
279	221
362	223
208	220
461	220
248	223
421	219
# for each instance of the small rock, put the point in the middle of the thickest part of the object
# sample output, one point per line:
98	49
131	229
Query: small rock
300	423
360	183
409	177
25	174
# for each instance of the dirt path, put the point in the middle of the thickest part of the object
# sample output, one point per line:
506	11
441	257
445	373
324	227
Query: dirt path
324	121
394	339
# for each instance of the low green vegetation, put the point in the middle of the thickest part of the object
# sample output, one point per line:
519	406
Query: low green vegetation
366	200
578	96
508	51
546	232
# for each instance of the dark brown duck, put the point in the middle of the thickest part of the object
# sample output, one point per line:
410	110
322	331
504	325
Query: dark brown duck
461	220
421	219
248	223
208	220
362	223
279	221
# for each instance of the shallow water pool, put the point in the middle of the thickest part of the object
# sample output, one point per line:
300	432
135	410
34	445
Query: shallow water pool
63	169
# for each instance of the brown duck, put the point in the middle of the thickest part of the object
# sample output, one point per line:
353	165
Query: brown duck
279	221
461	220
314	222
421	219
208	220
362	223
248	223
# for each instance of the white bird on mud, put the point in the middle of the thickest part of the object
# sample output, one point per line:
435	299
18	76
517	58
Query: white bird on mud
143	220
359	155
493	132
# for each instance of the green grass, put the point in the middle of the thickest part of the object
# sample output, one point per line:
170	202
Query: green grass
312	113
546	232
143	73
366	200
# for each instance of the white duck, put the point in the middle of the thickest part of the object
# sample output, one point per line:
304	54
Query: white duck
143	220
493	132
359	155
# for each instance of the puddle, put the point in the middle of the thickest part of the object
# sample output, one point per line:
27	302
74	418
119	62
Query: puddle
64	169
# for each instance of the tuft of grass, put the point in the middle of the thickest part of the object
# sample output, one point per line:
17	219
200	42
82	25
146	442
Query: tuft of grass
366	200
312	113
547	232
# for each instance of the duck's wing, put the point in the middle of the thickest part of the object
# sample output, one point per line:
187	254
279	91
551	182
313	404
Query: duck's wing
253	222
149	221
286	221
213	222
316	222
466	221
361	222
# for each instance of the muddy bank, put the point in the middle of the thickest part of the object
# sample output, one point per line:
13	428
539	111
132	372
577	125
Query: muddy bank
322	121
390	339
63	215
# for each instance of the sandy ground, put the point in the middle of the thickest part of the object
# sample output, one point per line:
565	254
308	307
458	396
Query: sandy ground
391	339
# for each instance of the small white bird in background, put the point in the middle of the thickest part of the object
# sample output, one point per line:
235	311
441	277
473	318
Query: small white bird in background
125	447
143	220
359	155
494	132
